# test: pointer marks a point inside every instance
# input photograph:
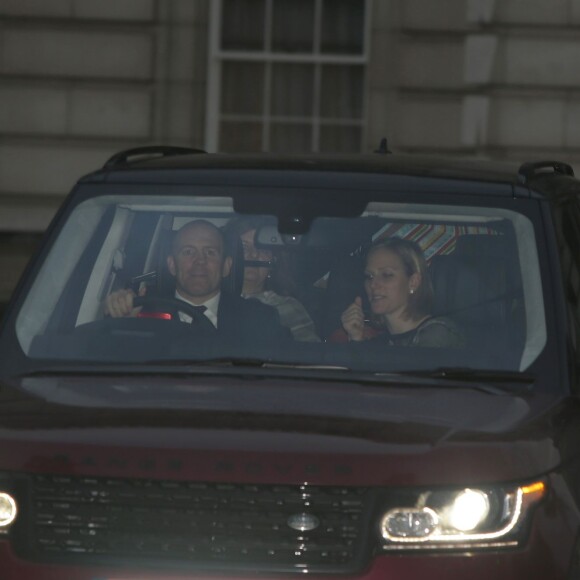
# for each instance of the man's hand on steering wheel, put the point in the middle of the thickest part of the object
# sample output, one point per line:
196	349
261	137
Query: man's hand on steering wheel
125	303
120	304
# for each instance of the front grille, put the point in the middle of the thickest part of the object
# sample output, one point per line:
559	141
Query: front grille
205	525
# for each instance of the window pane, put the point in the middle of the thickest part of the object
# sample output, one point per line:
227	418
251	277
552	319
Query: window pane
240	137
242	88
342	92
286	138
293	26
243	24
343	26
340	139
292	89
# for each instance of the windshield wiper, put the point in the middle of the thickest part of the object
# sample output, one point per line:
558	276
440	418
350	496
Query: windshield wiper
488	381
227	365
247	362
498	378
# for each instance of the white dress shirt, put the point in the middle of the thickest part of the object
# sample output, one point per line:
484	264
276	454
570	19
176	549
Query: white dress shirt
211	308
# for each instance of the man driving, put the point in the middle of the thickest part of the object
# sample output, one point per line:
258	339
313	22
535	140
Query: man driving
199	262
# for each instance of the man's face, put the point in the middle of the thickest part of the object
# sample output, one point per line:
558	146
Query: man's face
197	262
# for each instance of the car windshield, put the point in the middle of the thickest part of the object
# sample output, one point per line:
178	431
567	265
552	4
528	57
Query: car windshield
400	287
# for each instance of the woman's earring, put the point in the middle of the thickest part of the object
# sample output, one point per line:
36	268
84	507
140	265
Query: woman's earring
412	291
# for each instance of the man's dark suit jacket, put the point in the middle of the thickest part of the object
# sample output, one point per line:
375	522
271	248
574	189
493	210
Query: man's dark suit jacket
245	328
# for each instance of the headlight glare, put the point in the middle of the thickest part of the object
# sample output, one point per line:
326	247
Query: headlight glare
469	510
8	510
445	518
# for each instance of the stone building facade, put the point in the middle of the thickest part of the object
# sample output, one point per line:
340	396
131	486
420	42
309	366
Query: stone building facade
81	80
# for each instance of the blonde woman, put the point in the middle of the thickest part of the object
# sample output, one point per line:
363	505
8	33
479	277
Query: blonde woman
400	294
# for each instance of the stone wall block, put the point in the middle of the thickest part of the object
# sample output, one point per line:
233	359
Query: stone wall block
181	66
27	110
77	54
572	126
428	123
481	11
527	122
186	11
574	11
480	59
120	10
111	113
28	215
179	115
384	61
199	95
47	169
550	62
475	119
532	12
435	64
35	8
140	10
449	15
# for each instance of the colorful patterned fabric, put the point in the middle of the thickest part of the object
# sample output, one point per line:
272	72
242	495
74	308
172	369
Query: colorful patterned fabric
433	238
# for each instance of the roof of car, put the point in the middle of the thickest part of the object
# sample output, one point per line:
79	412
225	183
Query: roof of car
374	163
151	164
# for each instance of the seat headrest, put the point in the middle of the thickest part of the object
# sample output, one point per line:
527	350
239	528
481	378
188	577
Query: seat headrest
473	290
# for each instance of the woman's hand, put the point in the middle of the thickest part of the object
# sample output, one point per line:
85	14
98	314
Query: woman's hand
353	320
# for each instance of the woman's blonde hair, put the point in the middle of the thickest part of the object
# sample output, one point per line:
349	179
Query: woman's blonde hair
421	300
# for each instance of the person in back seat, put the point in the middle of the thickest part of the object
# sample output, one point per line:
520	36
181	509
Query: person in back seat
400	294
258	282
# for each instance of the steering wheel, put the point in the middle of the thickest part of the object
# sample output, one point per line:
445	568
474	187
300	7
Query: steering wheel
172	304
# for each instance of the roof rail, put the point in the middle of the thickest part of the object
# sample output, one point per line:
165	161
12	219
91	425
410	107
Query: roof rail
528	171
122	158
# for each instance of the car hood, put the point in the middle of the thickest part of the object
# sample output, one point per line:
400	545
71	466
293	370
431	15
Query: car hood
277	431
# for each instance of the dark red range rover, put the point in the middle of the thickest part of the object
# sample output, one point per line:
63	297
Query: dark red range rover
382	381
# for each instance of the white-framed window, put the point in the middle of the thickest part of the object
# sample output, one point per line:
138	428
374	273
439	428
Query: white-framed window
287	75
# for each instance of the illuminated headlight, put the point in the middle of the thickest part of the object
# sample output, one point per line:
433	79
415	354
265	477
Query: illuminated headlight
8	510
471	517
469	509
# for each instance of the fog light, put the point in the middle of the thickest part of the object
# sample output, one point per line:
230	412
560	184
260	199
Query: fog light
409	523
469	509
7	510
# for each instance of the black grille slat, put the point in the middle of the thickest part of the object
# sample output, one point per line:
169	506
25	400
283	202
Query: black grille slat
200	524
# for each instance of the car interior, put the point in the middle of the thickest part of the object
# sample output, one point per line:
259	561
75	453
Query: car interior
474	257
